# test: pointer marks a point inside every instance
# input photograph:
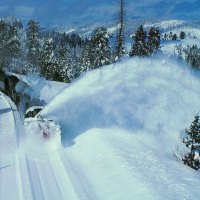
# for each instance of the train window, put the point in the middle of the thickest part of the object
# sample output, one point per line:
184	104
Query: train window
33	113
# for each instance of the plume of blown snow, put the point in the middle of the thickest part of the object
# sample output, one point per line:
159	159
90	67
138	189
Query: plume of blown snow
153	95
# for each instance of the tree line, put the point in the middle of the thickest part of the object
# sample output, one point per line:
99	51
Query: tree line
63	57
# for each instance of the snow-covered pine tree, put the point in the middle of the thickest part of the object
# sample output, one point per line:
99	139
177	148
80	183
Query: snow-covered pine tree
153	40
85	60
192	56
4	38
182	35
74	55
48	62
174	37
33	41
100	50
13	42
165	36
192	141
120	50
179	48
75	40
65	62
9	43
170	35
139	48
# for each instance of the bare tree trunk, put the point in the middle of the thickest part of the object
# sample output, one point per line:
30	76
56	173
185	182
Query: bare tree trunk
120	46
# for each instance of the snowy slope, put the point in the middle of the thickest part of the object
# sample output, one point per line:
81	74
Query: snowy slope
191	28
168	47
38	87
35	169
127	95
120	125
8	137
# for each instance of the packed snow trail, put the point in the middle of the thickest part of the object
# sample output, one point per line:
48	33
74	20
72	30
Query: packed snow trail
36	173
83	187
9	122
49	179
9	182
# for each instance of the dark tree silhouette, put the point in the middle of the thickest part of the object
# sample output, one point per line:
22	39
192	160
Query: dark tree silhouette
120	46
192	141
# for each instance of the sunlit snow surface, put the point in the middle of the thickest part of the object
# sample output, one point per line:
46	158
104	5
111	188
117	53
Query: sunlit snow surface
38	87
155	95
40	137
119	126
121	123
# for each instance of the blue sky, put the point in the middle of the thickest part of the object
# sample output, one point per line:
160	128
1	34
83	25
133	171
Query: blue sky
88	11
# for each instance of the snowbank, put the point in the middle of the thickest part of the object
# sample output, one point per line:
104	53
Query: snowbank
39	88
156	95
114	164
123	121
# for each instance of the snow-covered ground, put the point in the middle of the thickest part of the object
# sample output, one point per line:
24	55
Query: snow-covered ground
8	146
119	126
38	87
121	123
169	47
165	24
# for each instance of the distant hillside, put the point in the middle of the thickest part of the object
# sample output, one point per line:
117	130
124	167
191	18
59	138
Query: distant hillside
192	28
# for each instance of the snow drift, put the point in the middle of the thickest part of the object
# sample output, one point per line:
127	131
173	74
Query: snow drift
120	124
159	96
123	121
38	87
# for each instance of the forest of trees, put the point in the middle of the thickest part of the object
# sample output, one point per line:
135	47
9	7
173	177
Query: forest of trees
145	44
63	57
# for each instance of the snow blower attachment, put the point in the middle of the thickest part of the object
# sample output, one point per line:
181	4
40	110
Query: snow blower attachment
45	131
45	128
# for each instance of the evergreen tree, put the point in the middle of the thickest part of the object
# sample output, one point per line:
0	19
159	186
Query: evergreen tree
85	60
165	36
17	24
179	48
14	43
72	70
153	40
174	37
4	37
182	35
120	45
192	141
100	50
48	61
64	70
75	40
60	72
9	43
192	56
33	41
170	35
139	48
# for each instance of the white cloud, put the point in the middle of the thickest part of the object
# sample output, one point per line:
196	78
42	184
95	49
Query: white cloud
24	10
3	8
